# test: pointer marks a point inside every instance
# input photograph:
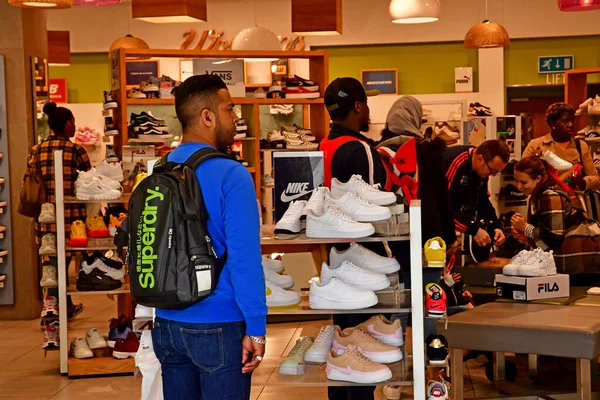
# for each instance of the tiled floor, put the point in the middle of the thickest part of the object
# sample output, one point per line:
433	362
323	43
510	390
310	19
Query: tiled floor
26	374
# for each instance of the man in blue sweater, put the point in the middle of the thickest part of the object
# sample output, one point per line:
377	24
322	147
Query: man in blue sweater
208	350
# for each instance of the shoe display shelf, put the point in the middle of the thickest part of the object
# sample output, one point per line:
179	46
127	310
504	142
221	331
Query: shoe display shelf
6	263
315	113
410	371
102	363
576	92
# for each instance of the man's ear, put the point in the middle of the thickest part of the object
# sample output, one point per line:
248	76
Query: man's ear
206	118
357	106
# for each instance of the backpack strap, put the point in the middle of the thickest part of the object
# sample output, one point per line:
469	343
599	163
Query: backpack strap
202	155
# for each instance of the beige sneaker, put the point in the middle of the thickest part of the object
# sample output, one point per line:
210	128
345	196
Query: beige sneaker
351	366
367	345
384	330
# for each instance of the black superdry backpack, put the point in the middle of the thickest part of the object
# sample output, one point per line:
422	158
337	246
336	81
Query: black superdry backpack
172	263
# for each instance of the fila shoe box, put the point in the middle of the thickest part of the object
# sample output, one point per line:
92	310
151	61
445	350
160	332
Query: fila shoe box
522	288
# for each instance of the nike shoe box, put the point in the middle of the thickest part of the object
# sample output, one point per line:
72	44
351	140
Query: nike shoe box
538	288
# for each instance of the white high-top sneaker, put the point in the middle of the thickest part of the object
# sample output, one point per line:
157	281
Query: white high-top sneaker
96	190
336	295
512	268
291	222
316	203
319	351
48	215
556	162
114	171
363	189
273	265
539	264
85	178
356	276
358	208
333	223
364	258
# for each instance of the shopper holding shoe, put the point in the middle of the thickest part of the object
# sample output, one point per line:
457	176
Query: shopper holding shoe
556	221
209	349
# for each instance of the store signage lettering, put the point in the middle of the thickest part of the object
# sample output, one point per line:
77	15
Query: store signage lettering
545	287
213	40
57	89
555	79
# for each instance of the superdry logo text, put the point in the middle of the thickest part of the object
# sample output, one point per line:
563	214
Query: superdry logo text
294	191
146	237
548	287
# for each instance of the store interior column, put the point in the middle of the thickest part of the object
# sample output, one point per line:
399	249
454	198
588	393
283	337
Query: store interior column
22	36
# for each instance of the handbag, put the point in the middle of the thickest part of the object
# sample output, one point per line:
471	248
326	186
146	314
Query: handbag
33	191
590	197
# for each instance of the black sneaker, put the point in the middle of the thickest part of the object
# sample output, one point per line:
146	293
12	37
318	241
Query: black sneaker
109	102
151	131
96	281
111	155
145	124
109	127
512	193
437	349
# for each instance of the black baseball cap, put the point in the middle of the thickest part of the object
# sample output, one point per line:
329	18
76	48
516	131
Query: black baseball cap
342	93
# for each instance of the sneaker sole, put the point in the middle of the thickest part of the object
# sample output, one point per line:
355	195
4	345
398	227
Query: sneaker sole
92	288
316	358
439	362
387	357
314	95
326	234
47	220
285	369
283	306
123	354
47	252
390	341
110	106
48	284
320	303
96	197
373	377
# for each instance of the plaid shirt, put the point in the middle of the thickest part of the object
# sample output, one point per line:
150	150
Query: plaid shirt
75	159
560	225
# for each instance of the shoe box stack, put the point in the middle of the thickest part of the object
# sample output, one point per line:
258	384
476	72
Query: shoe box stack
290	88
348	210
355	355
154	88
290	137
145	126
531	275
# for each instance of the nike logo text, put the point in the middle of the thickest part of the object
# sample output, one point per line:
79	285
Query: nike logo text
295	190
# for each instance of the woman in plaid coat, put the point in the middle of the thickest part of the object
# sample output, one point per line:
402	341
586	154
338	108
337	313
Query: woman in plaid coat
75	158
556	220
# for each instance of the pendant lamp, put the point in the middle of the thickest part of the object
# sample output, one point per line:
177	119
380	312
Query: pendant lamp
414	11
129	42
95	2
486	34
41	3
169	11
256	38
578	5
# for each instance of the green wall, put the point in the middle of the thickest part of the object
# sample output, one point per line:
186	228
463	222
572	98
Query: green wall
422	68
521	58
87	77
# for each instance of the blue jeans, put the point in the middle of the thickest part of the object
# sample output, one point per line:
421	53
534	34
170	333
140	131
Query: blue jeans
201	361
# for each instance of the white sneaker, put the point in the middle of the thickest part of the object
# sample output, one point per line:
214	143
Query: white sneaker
364	258
363	189
512	268
539	264
95	340
319	351
280	298
356	276
358	208
316	203
273	265
48	247
96	190
291	222
333	223
51	338
50	307
556	162
48	215
112	170
49	276
91	176
293	363
336	295
437	391
80	349
283	281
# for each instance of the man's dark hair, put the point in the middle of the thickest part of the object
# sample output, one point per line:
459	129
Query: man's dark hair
494	148
194	95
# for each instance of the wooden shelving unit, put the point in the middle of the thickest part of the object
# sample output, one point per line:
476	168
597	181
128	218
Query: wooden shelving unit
576	92
315	113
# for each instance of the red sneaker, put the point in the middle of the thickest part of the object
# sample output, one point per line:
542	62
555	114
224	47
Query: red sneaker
126	348
435	300
300	93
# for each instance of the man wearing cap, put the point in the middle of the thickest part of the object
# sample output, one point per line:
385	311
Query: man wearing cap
347	152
